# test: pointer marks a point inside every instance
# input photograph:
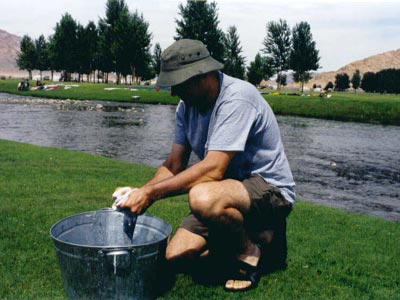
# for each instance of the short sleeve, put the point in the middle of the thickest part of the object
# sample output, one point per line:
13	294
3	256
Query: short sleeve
180	135
231	126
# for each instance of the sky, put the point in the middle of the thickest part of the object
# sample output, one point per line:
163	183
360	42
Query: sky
344	31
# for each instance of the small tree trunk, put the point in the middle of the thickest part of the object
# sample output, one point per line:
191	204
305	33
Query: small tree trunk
118	78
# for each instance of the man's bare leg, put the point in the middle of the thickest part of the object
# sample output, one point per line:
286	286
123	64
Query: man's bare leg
224	203
185	245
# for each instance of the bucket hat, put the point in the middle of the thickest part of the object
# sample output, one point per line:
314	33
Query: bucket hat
184	59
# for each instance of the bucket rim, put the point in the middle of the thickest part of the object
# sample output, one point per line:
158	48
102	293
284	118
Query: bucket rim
133	246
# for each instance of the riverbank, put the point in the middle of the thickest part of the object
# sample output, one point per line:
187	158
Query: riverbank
341	106
332	254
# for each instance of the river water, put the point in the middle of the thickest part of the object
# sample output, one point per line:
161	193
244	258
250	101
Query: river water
351	166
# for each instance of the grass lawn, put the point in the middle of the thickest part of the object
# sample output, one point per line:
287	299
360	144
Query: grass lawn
342	106
95	91
332	254
366	108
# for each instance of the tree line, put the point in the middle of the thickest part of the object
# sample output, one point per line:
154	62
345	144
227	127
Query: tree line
120	43
384	81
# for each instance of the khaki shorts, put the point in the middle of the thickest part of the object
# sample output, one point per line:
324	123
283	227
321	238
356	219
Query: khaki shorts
268	209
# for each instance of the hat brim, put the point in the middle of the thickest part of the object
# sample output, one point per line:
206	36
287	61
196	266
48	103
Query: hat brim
174	77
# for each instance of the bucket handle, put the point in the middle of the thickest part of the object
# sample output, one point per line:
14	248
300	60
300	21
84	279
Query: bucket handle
117	262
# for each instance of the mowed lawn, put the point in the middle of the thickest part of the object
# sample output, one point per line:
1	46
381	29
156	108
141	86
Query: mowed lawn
332	254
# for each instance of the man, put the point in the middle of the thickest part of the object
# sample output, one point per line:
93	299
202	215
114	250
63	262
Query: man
241	190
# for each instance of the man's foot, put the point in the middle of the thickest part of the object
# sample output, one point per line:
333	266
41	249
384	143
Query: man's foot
246	275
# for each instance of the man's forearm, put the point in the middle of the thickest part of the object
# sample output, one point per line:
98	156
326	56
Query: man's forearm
210	169
176	162
161	174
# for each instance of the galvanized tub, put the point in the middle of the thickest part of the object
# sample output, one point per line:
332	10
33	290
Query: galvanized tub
98	261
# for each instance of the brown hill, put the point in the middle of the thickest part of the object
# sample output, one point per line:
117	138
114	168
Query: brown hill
9	49
375	63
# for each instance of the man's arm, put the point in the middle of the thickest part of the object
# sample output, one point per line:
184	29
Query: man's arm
176	162
211	168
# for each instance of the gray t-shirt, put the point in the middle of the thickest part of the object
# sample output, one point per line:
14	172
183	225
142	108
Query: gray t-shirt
242	121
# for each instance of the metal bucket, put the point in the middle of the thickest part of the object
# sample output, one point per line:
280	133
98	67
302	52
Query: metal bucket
98	260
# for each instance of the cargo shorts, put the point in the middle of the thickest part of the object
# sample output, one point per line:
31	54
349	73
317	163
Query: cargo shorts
268	209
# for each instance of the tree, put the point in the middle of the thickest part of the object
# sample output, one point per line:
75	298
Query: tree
342	82
356	80
329	86
42	55
87	40
255	70
51	55
304	55
369	82
200	22
277	46
106	63
138	46
64	46
27	56
81	52
388	81
112	31
234	61
281	79
385	81
157	59
124	41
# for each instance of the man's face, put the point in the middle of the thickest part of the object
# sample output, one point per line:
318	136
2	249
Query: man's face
194	92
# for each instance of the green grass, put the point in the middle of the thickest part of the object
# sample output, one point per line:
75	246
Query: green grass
366	108
95	91
332	254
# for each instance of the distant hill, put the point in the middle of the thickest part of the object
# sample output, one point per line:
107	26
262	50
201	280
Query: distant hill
9	49
375	63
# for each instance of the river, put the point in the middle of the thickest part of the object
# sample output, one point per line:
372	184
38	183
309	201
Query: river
351	166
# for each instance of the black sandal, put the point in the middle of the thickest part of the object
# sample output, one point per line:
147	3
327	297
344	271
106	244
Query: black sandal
244	272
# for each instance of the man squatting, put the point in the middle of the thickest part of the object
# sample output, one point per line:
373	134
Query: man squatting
241	190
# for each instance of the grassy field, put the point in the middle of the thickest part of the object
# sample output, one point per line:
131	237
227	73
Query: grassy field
342	106
332	254
94	91
366	108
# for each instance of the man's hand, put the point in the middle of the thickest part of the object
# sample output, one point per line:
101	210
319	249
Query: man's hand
137	200
121	195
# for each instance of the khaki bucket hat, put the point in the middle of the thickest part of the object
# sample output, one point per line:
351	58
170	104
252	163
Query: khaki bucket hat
184	59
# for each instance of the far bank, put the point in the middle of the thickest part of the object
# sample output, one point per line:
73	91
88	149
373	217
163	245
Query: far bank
341	106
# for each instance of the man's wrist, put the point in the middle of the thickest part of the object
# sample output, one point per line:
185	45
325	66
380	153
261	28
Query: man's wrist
151	193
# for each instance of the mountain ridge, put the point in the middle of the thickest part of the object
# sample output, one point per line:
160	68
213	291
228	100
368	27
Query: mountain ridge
375	63
9	49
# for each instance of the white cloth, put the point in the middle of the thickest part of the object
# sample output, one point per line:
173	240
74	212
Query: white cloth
121	195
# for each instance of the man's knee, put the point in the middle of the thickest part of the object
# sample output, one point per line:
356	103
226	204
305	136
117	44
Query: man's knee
184	244
172	252
203	203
